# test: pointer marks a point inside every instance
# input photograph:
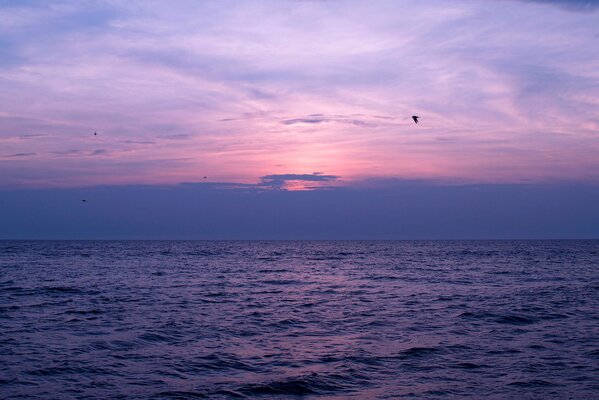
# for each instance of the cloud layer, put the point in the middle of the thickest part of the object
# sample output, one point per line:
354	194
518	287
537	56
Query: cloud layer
297	181
507	91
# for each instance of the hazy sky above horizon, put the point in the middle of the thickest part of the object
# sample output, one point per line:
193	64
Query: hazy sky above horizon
299	93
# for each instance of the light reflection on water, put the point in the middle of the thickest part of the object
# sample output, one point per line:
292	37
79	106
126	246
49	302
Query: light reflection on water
143	319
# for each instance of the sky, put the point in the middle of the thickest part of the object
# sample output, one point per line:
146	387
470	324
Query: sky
220	108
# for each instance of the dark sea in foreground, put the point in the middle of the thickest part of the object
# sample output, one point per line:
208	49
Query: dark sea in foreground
326	319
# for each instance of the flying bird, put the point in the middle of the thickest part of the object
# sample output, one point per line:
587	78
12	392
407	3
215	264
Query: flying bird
85	201
415	118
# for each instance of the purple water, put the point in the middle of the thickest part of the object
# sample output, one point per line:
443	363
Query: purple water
183	320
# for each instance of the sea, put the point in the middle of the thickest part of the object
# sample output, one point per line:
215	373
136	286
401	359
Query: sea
299	319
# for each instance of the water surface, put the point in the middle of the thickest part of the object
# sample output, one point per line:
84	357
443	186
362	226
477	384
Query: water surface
383	319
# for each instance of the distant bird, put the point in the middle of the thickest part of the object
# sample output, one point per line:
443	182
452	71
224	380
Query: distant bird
415	118
204	177
85	201
95	134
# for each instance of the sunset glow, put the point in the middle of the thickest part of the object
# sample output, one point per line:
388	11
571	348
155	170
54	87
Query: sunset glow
237	91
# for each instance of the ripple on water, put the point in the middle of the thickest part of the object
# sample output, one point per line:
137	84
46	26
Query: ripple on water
365	320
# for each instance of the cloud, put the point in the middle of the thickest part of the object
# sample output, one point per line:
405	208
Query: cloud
17	155
304	121
281	180
138	142
321	118
574	5
80	152
509	94
246	116
175	136
68	152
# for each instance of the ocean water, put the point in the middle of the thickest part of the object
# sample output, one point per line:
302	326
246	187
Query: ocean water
331	320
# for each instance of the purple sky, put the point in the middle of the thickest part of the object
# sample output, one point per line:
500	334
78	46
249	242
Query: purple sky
315	96
508	91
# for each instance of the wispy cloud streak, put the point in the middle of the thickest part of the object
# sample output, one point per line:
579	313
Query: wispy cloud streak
506	93
281	181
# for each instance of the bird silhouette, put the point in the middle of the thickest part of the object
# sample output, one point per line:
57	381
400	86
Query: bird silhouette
415	118
95	134
85	201
204	177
